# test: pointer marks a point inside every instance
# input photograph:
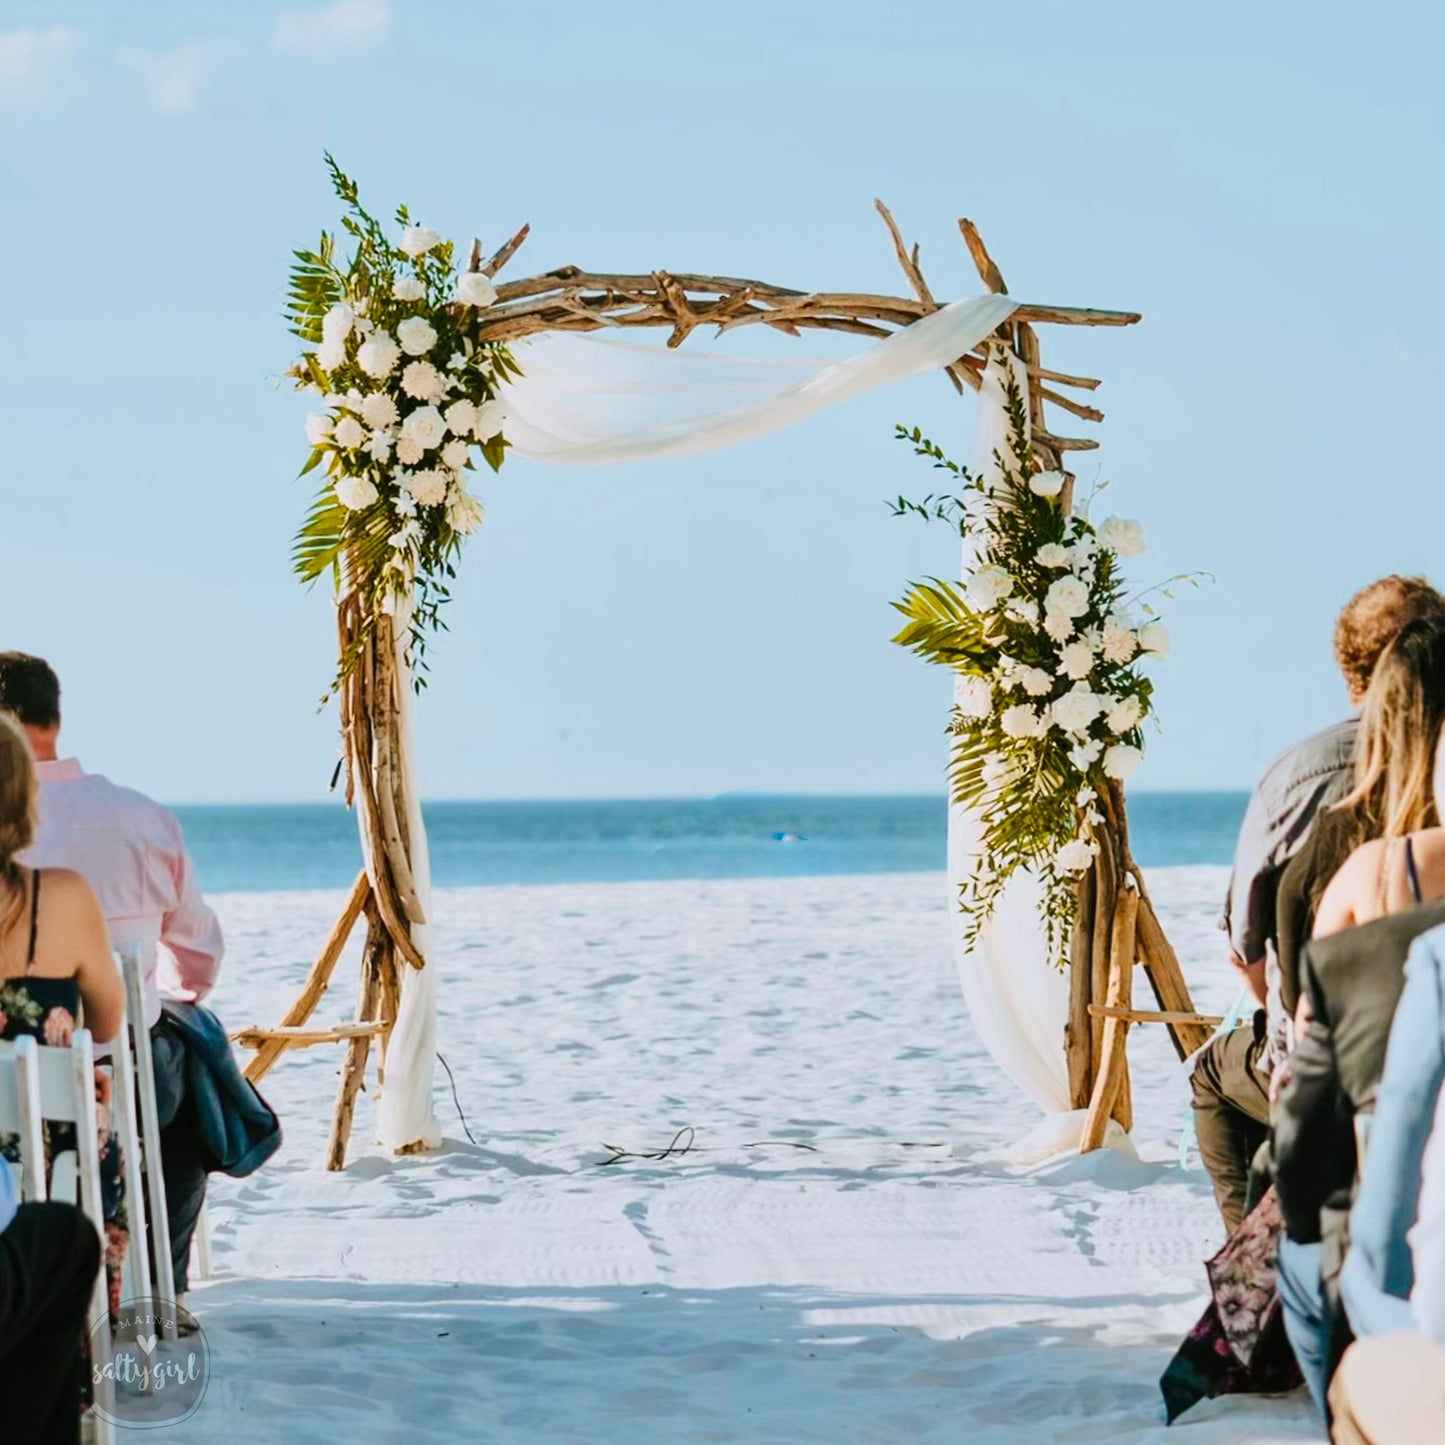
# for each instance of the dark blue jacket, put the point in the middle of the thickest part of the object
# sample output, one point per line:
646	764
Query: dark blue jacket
234	1125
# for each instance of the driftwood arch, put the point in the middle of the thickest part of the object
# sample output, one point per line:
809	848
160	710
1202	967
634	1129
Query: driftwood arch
1116	926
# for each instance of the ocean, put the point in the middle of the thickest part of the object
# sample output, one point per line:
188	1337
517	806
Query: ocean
276	848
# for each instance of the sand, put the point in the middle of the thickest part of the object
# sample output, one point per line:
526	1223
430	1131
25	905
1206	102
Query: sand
840	1256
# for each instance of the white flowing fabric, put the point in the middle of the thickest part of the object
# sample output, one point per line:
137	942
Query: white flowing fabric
1017	999
586	399
406	1116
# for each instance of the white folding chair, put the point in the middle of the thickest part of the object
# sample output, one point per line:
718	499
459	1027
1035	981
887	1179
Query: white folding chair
67	1096
136	1272
20	1113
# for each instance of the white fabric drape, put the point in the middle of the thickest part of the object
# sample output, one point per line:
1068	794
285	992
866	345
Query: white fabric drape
587	399
1018	1001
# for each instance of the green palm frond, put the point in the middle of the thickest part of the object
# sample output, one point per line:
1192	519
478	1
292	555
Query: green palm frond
942	627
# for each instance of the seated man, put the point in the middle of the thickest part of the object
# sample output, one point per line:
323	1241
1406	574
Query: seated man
49	1255
1231	1080
131	852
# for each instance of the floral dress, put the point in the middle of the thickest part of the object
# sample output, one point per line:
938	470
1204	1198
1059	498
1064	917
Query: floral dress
45	1008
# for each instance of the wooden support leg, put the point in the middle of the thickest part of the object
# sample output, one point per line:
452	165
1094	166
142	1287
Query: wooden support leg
1113	1065
353	1071
1078	1048
1167	980
316	980
1106	893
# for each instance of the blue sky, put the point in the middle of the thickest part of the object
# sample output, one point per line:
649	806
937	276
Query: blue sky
1258	180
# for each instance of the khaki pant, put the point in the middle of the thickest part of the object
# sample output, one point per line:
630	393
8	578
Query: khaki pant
1389	1390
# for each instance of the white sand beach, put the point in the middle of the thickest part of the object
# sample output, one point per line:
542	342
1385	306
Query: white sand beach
840	1256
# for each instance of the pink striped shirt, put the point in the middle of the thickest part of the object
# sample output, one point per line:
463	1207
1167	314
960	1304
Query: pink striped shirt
130	850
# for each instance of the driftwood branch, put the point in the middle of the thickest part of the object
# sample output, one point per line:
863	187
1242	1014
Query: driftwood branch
988	273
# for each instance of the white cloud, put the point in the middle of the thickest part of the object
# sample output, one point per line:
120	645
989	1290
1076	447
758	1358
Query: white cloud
36	67
175	80
344	25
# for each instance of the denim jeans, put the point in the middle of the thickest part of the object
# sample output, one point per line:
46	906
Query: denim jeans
181	1157
1307	1321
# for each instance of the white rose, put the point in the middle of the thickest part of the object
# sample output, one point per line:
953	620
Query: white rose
378	354
407	288
379	409
1124	714
1075	856
1059	626
1121	760
408	452
1034	681
454	454
1067	595
348	432
1123	536
1021	721
475	289
331	354
1046	484
417	335
1077	708
337	323
988	587
428	487
1119	643
424	426
973	697
417	241
379	445
355	493
461	418
423	381
1086	754
1052	554
318	428
491	420
1154	639
464	513
1076	660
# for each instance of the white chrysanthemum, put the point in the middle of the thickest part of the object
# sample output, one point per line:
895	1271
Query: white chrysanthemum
378	354
417	335
973	697
348	432
408	452
461	418
424	426
1076	660
491	420
337	323
318	428
1075	856
417	240
379	409
1059	626
464	513
475	289
1046	484
428	487
1122	535
1076	709
1154	639
454	454
987	587
331	354
407	288
1034	681
1052	554
356	493
379	444
1118	643
1067	595
423	381
1121	760
1123	714
1022	721
1086	754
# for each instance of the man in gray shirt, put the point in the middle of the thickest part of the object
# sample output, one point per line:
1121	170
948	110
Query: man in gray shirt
1231	1078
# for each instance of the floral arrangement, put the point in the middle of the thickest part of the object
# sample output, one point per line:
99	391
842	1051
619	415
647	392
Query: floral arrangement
407	401
1050	702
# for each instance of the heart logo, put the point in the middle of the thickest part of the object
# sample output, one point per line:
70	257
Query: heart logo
146	1342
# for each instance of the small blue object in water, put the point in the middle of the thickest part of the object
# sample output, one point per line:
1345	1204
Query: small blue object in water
789	838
